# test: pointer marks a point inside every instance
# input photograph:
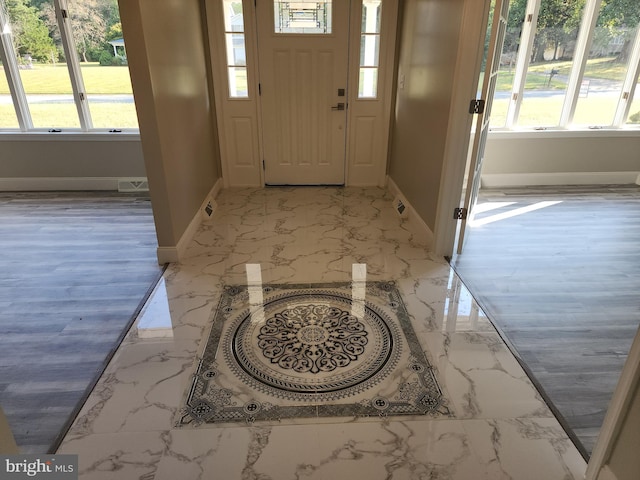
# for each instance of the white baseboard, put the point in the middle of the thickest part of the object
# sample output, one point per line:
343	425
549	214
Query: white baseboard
217	188
174	254
606	474
167	255
415	219
504	180
42	184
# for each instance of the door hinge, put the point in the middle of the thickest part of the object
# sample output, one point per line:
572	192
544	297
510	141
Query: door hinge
259	89
460	213
476	106
81	95
64	13
264	167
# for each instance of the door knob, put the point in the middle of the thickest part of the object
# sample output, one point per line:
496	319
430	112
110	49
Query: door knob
339	106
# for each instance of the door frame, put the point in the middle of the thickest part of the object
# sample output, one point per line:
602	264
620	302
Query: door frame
239	120
465	88
478	145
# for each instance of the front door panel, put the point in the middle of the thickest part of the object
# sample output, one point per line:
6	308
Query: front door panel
303	81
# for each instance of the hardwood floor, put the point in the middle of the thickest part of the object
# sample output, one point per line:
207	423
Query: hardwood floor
76	267
561	283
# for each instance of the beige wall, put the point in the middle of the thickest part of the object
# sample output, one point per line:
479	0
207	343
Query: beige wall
167	61
427	61
26	156
543	152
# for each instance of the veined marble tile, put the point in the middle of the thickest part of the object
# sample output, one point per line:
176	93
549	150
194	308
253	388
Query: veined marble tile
173	315
525	449
502	429
448	450
481	376
140	391
125	456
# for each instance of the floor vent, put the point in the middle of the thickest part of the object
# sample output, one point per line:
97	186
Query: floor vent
128	185
208	208
400	207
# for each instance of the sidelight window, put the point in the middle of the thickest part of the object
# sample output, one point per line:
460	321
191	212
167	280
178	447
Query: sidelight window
369	49
235	47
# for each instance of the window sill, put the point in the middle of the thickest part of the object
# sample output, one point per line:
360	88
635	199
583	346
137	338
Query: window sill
566	133
126	135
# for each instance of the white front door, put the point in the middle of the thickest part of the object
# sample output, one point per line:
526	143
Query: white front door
303	63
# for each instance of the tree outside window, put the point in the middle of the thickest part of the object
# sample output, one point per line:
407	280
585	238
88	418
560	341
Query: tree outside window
551	59
43	72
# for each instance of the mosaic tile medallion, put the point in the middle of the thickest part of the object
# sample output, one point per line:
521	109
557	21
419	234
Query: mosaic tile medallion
278	352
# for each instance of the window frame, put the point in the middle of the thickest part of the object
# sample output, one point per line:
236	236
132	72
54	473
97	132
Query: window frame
18	94
583	44
375	68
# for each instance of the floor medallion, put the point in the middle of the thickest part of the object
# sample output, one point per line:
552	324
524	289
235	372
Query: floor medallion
279	352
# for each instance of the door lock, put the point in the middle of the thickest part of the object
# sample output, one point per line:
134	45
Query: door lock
339	106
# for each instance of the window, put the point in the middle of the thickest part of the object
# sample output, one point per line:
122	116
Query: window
8	117
510	48
608	63
236	54
303	17
65	61
634	115
569	63
369	49
106	78
550	64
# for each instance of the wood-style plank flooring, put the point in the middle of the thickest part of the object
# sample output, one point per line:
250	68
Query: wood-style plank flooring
76	267
562	283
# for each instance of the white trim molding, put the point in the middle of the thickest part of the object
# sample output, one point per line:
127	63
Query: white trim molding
217	188
167	255
414	219
175	253
616	414
504	180
68	135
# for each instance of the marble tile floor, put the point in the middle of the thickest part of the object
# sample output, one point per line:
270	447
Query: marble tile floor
499	427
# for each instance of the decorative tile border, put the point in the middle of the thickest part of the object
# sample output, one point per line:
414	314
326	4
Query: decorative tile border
310	351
